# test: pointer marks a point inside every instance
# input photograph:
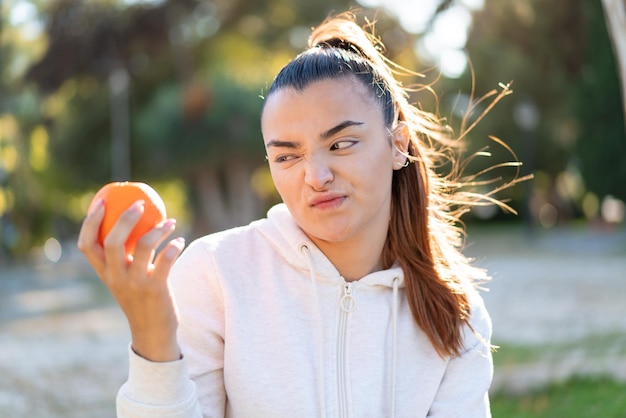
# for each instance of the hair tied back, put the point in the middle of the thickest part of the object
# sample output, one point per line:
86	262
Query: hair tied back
342	44
344	33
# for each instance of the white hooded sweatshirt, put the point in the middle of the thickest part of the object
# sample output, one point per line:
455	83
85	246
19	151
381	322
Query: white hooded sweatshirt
269	328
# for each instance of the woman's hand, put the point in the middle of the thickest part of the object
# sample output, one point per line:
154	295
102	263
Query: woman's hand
138	282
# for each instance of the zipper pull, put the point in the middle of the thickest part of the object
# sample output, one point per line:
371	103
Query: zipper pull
348	302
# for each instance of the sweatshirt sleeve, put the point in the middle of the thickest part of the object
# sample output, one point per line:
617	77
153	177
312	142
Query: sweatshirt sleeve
192	387
200	304
157	390
463	392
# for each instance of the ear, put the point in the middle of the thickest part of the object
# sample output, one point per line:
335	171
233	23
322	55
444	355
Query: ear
400	145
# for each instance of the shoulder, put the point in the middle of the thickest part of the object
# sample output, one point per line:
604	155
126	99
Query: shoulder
228	242
218	258
207	255
275	229
479	316
478	333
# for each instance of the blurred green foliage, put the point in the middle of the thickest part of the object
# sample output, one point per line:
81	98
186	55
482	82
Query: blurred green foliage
559	61
193	75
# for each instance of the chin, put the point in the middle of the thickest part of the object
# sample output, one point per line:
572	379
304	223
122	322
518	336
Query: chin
333	236
327	230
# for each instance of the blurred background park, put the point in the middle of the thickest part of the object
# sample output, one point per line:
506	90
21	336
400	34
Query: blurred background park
169	92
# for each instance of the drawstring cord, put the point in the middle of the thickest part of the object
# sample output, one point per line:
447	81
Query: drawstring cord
394	338
320	333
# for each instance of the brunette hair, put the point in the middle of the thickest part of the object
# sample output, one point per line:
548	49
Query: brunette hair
424	233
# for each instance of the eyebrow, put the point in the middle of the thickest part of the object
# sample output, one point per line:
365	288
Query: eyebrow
343	125
324	135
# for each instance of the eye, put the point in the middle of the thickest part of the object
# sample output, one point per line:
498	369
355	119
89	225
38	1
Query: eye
285	158
342	145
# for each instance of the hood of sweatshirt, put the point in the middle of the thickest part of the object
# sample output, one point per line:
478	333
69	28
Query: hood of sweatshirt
284	234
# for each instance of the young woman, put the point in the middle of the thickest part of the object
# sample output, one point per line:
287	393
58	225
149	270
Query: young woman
351	299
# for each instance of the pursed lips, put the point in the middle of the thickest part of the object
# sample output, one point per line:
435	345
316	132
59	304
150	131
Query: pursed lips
326	200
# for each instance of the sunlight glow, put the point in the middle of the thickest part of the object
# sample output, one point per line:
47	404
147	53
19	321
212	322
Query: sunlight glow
443	42
135	2
452	26
52	250
452	62
414	18
24	15
473	4
21	13
370	3
613	210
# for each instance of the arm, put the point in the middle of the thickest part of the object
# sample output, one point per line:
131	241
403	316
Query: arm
138	282
193	386
200	303
158	383
463	391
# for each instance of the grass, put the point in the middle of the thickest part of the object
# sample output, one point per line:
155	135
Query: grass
578	397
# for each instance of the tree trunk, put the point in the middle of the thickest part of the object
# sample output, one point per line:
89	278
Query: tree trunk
615	12
223	197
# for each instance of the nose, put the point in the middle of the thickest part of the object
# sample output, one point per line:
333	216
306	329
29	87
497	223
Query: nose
318	173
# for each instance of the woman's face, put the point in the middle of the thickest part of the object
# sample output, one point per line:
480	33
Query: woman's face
332	158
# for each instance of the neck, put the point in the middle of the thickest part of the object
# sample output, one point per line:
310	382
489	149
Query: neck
354	259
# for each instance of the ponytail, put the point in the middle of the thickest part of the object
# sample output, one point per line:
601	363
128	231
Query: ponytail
423	234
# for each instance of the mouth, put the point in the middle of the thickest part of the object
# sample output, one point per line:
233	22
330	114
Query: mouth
327	201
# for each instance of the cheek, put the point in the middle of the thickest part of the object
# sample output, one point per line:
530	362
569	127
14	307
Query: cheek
282	182
378	167
378	178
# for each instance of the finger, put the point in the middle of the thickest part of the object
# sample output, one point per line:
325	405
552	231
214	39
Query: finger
87	241
88	235
114	250
148	243
166	258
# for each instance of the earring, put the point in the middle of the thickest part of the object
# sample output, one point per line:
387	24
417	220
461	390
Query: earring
406	163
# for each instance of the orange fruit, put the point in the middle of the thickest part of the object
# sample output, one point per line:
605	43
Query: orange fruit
119	196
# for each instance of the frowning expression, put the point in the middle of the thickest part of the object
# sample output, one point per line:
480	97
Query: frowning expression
332	158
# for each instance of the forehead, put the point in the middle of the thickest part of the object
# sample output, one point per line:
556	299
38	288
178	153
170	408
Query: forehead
321	102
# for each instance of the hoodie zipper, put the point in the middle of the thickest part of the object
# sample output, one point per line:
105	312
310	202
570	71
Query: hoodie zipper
347	304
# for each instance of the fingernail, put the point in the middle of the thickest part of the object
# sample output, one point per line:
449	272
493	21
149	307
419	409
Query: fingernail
96	205
180	242
178	245
169	223
138	205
